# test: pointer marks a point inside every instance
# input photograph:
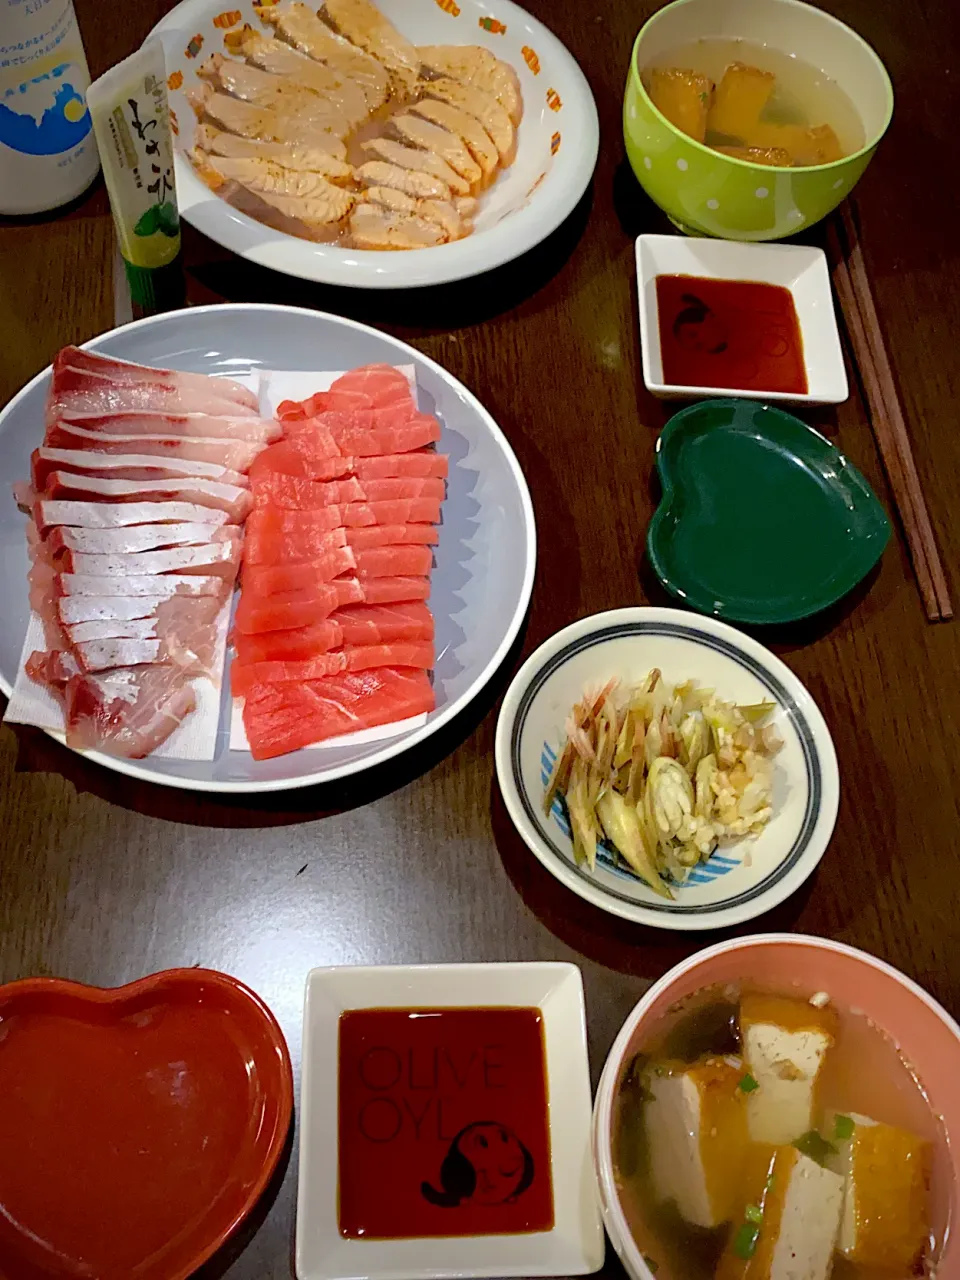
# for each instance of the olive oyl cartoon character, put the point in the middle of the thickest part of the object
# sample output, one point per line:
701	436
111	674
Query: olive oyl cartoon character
487	1164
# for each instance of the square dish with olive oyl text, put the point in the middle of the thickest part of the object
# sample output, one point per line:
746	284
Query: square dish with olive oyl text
443	1123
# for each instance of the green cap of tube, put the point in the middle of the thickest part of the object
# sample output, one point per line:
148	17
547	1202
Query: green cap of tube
157	288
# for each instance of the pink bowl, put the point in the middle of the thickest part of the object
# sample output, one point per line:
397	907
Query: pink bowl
926	1035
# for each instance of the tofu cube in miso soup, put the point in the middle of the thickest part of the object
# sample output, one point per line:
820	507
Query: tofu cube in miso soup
684	97
741	96
785	1043
696	1132
887	1173
788	1222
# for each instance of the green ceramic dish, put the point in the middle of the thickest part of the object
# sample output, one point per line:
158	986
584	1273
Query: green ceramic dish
712	194
762	520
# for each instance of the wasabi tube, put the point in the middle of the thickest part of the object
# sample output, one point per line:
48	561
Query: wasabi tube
131	121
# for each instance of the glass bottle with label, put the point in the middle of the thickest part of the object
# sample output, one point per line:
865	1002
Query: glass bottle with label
48	154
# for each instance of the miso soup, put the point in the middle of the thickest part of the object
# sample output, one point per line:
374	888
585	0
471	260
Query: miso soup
754	102
758	1136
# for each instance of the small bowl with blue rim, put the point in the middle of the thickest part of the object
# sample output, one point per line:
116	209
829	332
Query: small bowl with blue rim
739	881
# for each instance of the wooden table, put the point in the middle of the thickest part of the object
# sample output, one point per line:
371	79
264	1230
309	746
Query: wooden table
104	880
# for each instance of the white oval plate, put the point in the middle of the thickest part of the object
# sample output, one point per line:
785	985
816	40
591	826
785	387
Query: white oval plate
557	147
741	880
484	561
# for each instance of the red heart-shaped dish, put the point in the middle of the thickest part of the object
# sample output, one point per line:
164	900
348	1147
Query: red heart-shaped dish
138	1125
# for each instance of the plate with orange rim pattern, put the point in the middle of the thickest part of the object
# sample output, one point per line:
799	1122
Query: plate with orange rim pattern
557	145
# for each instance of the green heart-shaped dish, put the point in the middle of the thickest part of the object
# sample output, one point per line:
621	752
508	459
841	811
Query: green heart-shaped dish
762	520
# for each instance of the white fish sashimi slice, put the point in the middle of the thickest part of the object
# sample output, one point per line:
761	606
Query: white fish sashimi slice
157	422
103	655
235	454
77	361
127	466
129	711
139	537
220	557
114	397
234	501
74	610
160	585
117	515
112	629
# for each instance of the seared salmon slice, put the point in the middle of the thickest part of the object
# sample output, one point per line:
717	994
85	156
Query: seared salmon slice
374	227
307	196
473	65
281	59
441	212
279	93
417	132
309	159
412	158
484	106
299	26
251	121
364	25
421	186
467	127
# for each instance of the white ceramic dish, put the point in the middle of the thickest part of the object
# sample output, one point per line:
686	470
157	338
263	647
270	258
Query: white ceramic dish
927	1036
484	561
801	270
741	880
574	1246
556	154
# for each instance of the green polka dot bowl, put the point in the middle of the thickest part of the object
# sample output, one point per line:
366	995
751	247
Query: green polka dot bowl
708	193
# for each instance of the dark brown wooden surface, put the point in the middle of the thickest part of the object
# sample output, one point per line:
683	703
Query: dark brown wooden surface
103	880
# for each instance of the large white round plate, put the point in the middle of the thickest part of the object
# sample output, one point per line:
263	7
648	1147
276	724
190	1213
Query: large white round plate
740	881
556	153
485	557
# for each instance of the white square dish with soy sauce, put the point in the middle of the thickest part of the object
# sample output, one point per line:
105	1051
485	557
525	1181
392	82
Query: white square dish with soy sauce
720	318
445	1124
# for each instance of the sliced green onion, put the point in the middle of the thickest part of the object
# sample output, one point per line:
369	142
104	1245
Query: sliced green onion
771	1181
745	1241
816	1147
652	1266
843	1128
753	1213
748	1084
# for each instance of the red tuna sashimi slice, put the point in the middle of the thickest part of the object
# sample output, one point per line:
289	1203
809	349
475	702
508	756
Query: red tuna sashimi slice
235	454
386	562
374	385
158	422
273	535
265	546
128	712
286	717
136	537
245	677
121	515
356	435
125	466
394	590
270	579
419	462
294	608
284	459
234	501
398	511
165	585
293	493
392	535
294	644
373	624
222	558
124	372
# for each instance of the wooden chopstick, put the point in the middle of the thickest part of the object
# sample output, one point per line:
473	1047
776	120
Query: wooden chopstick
852	286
